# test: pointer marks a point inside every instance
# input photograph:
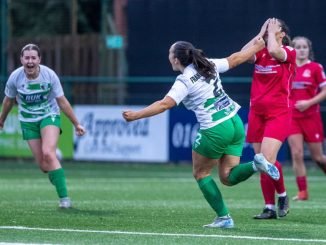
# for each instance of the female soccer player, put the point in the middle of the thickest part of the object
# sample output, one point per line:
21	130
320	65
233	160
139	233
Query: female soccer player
270	112
221	135
39	95
308	90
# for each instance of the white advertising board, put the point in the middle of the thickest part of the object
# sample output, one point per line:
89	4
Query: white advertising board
110	138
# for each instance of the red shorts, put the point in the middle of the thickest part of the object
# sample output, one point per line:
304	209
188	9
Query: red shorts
311	127
274	126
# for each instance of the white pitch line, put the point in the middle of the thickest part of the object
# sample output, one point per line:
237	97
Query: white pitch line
8	243
163	234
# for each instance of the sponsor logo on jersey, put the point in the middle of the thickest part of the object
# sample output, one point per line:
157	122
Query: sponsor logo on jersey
266	69
32	98
300	84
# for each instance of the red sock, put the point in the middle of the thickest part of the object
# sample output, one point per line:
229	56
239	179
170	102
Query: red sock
302	183
268	189
279	184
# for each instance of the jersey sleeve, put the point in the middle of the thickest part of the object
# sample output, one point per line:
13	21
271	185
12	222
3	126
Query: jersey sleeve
290	54
178	91
258	55
11	89
222	65
320	75
56	85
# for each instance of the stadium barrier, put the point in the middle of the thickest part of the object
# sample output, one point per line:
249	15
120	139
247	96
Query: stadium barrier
167	137
181	125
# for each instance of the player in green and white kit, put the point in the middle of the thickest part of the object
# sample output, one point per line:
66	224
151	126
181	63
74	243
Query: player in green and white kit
39	95
221	135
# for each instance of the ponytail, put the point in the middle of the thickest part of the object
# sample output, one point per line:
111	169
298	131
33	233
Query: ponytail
188	54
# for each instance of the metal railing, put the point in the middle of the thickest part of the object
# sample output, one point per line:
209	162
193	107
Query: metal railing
132	89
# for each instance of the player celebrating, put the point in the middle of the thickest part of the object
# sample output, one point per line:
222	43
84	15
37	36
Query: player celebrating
40	97
308	90
221	135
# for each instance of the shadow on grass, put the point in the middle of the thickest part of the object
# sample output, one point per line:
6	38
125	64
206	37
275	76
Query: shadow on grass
76	211
287	227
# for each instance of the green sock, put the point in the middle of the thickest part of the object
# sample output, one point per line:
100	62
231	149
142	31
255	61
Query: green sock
58	179
213	195
240	173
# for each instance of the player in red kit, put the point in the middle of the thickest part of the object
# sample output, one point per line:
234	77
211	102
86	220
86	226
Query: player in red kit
308	90
270	112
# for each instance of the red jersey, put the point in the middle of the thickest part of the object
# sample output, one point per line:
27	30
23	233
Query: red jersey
307	81
270	90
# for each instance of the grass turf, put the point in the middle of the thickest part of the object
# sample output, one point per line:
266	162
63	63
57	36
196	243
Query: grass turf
147	204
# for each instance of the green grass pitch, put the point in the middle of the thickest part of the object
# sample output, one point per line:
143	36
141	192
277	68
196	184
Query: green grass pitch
147	204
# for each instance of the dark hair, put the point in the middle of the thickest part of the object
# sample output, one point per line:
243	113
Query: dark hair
286	39
30	46
311	52
187	54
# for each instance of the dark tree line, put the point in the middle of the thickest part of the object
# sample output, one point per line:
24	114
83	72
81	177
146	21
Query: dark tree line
52	17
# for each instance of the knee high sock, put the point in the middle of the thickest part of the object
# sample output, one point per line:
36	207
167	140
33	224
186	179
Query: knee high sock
268	188
279	184
302	183
240	173
213	195
58	179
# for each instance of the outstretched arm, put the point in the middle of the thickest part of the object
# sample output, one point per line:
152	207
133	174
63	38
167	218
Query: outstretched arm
261	34
242	56
7	105
67	109
151	110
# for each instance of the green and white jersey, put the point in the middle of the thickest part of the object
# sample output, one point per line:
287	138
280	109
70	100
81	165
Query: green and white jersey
36	98
205	97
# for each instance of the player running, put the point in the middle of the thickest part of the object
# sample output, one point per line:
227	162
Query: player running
220	139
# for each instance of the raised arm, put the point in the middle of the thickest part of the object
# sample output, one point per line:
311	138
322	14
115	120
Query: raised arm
261	34
244	55
151	110
273	47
